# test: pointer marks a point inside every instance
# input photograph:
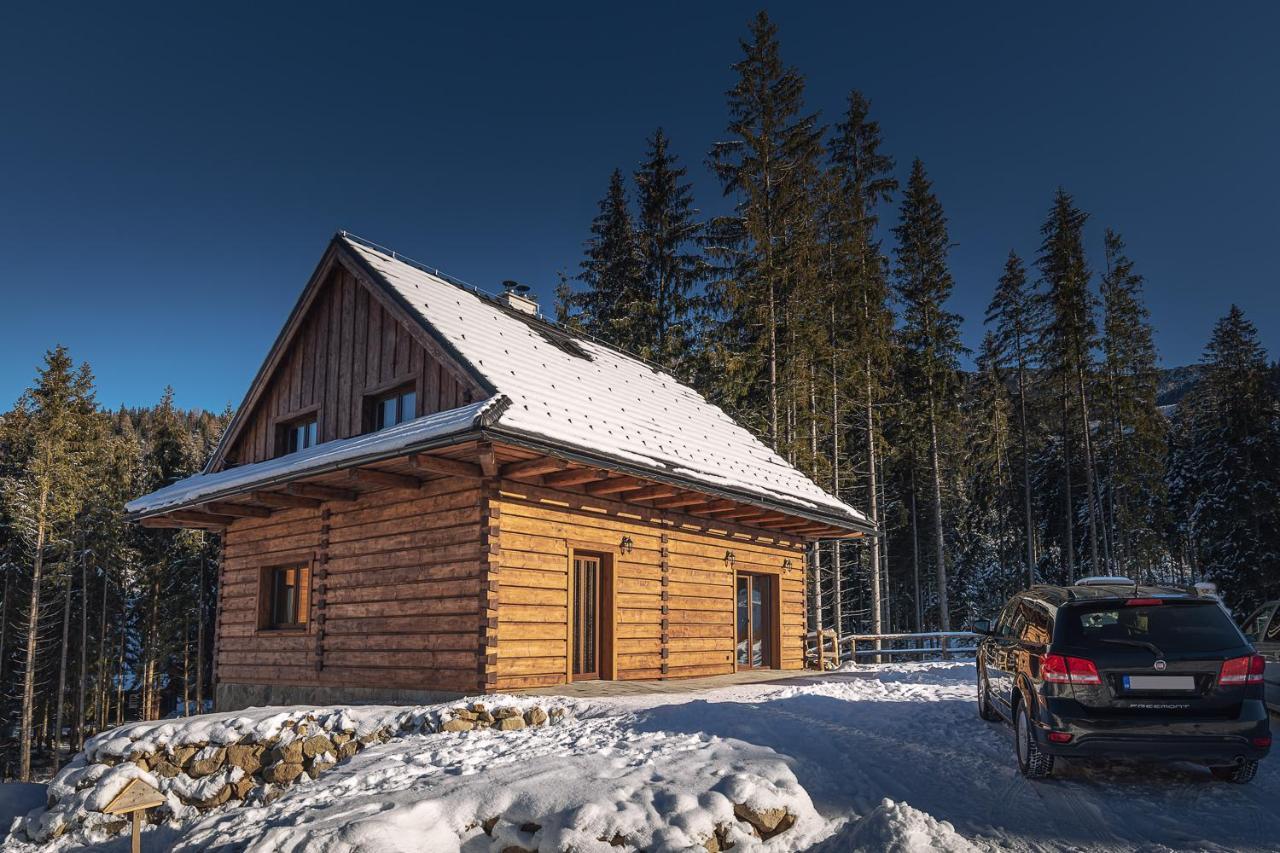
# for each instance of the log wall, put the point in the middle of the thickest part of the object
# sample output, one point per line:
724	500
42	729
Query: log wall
677	564
462	586
396	595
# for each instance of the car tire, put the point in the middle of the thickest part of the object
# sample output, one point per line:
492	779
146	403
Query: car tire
985	711
1238	774
1033	763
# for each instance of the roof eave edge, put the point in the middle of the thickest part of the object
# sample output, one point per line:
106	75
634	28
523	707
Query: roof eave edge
574	454
472	432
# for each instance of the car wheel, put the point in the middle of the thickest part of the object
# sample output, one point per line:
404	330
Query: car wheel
985	711
1033	763
1237	773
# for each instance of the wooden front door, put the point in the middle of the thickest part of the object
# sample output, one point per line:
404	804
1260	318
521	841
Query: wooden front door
755	621
586	617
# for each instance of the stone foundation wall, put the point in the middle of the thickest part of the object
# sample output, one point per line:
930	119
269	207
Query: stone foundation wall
235	697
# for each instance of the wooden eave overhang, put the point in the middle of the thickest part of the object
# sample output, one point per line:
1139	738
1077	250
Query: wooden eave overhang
472	453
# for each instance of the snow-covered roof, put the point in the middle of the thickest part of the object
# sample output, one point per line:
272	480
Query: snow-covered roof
330	456
551	390
579	394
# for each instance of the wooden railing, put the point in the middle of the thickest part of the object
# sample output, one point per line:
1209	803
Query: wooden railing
825	646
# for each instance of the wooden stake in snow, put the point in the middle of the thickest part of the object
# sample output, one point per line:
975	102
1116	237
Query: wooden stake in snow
135	799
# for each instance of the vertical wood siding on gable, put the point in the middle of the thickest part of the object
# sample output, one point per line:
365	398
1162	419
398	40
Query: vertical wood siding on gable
402	598
537	530
346	347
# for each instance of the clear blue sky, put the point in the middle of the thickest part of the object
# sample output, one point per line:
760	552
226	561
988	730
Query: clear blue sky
169	175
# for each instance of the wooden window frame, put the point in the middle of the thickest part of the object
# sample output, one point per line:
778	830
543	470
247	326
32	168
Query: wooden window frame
284	425
376	395
607	653
263	571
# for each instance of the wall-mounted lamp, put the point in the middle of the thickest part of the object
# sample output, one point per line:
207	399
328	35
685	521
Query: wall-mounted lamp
787	566
626	546
729	558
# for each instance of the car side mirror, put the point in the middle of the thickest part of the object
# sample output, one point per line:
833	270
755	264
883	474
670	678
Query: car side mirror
982	626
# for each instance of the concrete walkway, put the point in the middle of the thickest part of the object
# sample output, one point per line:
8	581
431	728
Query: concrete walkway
599	689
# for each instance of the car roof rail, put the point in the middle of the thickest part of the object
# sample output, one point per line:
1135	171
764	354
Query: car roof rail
1106	580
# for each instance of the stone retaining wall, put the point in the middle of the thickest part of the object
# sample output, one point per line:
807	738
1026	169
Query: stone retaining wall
199	764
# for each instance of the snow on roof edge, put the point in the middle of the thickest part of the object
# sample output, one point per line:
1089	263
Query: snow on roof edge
331	455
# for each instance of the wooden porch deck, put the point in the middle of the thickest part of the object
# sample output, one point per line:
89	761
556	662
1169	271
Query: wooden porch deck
608	689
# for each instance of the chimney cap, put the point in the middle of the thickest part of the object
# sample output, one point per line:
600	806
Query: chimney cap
516	295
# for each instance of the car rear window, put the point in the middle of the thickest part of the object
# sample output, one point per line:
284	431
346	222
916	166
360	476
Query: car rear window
1171	626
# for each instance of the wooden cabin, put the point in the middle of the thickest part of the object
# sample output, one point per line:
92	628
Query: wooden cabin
430	491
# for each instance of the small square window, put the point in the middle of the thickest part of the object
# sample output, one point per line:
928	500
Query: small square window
299	435
286	592
395	408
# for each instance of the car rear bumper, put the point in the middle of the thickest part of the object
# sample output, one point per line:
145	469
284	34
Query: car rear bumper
1204	740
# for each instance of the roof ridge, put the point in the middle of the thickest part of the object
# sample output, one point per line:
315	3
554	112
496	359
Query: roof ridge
476	290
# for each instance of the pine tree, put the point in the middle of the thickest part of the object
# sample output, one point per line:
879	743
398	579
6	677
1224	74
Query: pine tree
668	235
860	322
1014	313
986	547
612	305
767	249
48	430
930	336
1230	443
1068	342
1136	432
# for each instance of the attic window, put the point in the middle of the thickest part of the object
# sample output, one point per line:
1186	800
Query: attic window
298	435
393	407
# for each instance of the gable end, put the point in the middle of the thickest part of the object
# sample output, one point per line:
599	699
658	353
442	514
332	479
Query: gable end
348	338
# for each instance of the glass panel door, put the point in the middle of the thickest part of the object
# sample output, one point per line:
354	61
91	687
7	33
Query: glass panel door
754	623
586	617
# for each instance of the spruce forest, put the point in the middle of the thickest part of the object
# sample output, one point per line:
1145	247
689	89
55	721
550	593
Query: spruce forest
816	312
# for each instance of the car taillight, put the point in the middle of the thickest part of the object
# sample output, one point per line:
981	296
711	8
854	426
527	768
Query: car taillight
1262	742
1243	670
1060	737
1063	669
1142	602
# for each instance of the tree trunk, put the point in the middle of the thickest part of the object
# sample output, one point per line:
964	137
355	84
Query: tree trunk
186	668
60	699
33	633
1026	467
1089	480
200	632
938	538
78	730
773	365
873	508
100	671
1069	546
915	552
4	624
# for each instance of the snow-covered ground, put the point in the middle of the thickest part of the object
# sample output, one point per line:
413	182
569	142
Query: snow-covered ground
900	764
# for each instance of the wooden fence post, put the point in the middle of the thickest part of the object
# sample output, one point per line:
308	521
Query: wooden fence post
822	657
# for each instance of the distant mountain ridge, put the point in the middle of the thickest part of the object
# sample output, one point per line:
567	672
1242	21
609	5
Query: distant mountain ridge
1175	383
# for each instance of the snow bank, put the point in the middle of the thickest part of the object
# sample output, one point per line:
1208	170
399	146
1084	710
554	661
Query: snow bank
589	784
201	763
896	828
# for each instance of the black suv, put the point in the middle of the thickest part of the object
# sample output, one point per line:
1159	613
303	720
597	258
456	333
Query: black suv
1109	669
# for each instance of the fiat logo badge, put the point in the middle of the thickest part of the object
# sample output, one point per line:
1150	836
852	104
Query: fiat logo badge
1159	665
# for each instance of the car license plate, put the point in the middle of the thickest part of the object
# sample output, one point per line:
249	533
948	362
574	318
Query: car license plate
1159	682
